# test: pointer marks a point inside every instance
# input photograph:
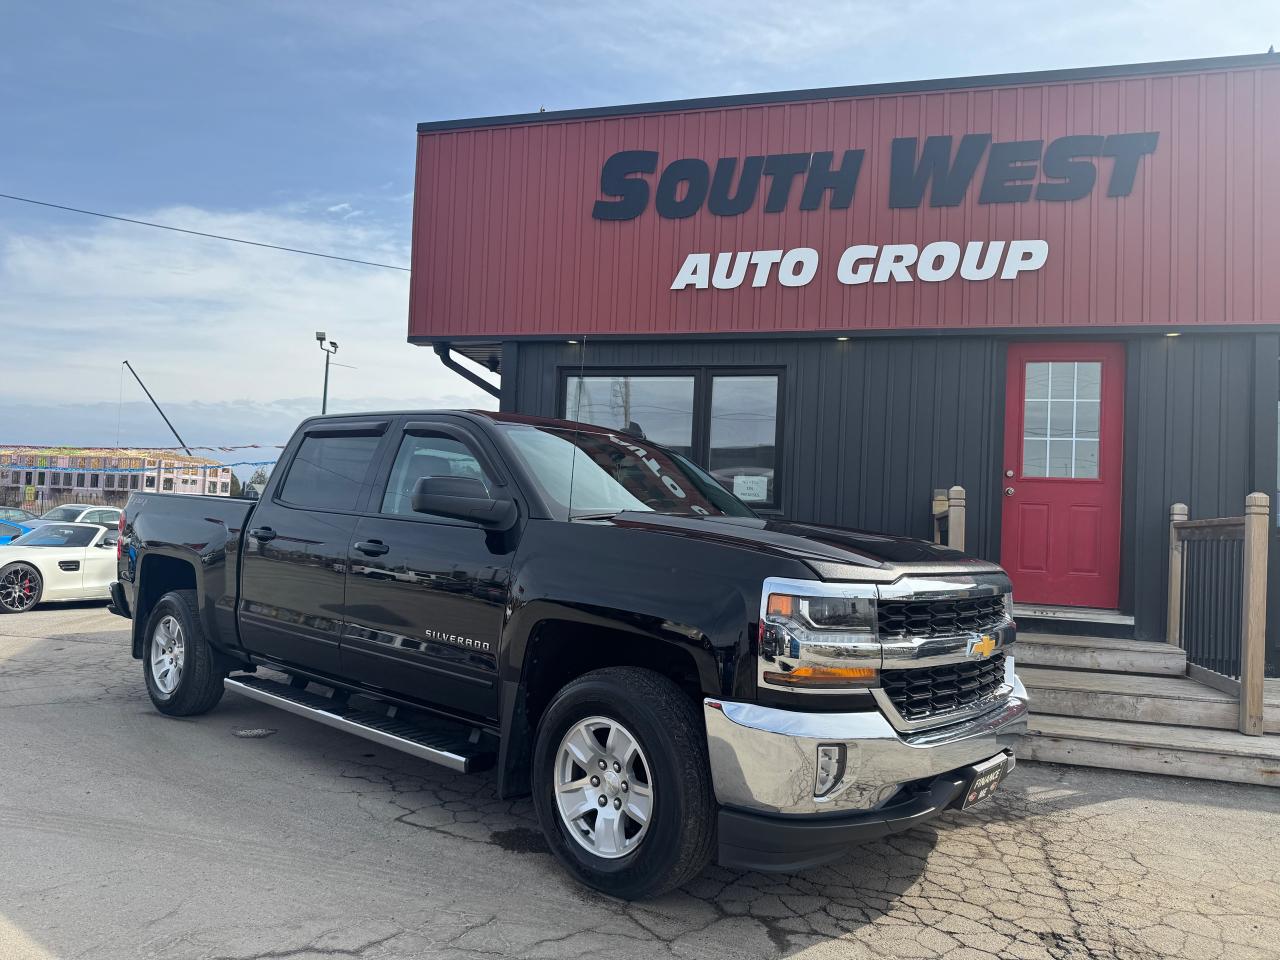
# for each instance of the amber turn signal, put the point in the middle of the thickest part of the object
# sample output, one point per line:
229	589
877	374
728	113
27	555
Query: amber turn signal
780	605
824	677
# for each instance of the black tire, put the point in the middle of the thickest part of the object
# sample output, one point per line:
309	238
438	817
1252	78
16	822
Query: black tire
199	684
30	595
665	722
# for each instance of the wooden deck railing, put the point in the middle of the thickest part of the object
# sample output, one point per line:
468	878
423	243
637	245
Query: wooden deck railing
948	517
1218	601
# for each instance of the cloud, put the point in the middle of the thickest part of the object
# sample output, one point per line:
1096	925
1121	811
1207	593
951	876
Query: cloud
205	321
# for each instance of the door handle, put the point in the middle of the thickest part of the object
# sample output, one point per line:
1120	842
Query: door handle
372	548
1008	491
262	534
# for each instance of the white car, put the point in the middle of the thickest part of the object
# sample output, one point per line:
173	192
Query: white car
78	513
57	561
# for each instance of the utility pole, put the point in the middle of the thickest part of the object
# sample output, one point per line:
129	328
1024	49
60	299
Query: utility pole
329	350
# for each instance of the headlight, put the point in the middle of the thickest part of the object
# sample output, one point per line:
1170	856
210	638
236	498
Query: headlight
818	637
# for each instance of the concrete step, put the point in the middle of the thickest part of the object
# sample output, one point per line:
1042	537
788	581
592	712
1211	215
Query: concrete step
1109	654
1154	748
1178	701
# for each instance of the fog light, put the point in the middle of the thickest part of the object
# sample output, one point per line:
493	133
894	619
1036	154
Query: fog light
830	768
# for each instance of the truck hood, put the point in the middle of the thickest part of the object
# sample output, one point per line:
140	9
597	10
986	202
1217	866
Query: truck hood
834	553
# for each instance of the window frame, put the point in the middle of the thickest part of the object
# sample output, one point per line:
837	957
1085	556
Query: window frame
703	374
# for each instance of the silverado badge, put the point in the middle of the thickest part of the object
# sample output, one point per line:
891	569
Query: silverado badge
981	645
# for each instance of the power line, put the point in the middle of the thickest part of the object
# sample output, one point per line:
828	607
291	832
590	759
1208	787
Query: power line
198	233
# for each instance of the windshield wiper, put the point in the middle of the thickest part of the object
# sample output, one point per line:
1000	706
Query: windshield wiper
606	515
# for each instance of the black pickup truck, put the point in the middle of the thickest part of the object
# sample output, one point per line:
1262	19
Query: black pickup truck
672	677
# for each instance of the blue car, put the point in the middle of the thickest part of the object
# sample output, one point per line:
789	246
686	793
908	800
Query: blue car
9	529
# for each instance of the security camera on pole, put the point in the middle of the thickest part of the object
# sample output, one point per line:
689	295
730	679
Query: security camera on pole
329	349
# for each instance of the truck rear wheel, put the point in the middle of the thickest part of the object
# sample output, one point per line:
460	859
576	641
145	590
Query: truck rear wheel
179	666
622	785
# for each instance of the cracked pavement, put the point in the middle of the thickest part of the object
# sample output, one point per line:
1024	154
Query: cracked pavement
251	833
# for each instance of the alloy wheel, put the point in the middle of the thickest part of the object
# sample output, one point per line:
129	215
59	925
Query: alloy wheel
604	790
167	651
19	588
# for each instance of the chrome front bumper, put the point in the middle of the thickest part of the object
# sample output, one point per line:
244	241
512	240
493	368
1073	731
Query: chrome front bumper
765	760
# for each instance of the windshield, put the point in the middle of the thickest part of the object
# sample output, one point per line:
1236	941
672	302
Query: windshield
612	472
59	535
61	513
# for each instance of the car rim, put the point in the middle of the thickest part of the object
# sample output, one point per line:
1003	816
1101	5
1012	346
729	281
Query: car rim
19	588
167	651
604	790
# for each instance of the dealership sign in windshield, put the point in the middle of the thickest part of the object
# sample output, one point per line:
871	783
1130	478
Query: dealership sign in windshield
941	171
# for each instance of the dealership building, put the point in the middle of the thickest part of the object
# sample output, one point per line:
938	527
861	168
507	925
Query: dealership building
1057	290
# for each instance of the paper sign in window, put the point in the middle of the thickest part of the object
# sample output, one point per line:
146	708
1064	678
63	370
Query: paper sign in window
750	489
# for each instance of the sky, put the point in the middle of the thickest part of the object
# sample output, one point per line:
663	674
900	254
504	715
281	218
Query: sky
293	122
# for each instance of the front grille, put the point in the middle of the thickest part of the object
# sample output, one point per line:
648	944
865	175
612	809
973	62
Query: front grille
926	692
900	619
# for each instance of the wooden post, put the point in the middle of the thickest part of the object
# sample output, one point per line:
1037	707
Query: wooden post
1253	619
1173	629
955	518
939	508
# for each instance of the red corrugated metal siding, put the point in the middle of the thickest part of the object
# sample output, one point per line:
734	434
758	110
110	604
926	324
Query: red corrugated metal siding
505	245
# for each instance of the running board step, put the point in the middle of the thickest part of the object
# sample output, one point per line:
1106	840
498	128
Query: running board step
448	744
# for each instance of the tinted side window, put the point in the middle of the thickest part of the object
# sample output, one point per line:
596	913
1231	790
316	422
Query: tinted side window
427	457
327	472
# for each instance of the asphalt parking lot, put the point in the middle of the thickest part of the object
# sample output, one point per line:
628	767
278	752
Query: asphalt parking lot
250	833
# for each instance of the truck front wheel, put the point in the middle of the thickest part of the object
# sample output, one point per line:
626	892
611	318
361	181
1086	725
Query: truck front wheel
179	666
621	782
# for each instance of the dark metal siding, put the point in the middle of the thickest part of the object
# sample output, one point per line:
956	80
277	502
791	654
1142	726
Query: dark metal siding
1200	429
871	427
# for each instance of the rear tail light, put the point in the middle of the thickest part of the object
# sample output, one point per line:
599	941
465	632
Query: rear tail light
120	536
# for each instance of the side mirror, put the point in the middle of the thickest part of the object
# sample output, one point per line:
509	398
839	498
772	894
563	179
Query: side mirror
463	498
107	542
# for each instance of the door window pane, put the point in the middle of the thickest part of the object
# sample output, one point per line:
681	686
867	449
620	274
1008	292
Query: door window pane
427	457
1087	419
1061	414
1035	457
1036	418
1059	458
1037	381
327	472
743	440
657	408
1086	459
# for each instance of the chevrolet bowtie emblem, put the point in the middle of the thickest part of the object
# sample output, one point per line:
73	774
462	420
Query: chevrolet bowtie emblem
982	645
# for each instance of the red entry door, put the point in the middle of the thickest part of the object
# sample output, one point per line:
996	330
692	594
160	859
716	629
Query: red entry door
1064	416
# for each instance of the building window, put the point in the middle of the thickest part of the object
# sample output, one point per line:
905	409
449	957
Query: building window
133	481
40	478
109	481
28	480
743	439
79	479
226	486
93	481
168	484
658	407
150	482
726	421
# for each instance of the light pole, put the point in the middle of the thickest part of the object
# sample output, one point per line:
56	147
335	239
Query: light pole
329	349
